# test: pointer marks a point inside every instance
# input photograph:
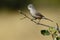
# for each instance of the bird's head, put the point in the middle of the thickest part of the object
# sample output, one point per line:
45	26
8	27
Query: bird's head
30	6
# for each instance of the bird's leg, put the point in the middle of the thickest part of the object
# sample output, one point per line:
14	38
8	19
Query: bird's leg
33	19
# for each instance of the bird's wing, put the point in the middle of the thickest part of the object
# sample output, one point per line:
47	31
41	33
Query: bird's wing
39	14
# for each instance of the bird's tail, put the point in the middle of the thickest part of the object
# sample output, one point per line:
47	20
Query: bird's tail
47	19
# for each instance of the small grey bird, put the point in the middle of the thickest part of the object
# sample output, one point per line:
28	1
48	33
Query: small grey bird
35	14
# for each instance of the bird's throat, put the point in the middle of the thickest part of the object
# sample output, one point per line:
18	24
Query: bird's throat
33	11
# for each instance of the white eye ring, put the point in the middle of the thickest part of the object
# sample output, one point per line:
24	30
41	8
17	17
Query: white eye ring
30	6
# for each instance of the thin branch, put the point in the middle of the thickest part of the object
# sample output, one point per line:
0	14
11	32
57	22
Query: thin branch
22	18
53	37
58	27
34	21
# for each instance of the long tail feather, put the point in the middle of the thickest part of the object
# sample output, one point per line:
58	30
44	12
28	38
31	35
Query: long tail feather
47	19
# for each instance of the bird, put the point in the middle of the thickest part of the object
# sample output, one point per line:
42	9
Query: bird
35	14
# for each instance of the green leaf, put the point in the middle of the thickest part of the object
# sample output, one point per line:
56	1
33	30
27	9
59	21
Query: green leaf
58	38
45	32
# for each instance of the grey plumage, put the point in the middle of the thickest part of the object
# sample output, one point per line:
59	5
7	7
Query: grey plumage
35	14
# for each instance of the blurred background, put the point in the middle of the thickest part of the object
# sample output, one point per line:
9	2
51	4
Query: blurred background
18	4
12	28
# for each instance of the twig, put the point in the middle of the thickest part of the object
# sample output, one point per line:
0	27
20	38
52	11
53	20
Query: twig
34	21
53	37
58	27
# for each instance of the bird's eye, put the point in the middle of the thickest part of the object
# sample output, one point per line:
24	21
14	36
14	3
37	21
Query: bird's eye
30	6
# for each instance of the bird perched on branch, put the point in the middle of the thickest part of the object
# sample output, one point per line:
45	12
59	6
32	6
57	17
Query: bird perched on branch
35	14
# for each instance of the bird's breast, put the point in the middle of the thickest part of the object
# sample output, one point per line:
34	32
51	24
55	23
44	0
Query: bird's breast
33	12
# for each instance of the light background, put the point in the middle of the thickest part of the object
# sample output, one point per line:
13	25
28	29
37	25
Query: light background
12	28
